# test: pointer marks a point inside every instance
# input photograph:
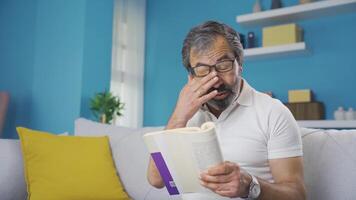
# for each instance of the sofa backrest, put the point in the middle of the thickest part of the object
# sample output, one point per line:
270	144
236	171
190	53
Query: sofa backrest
12	181
329	164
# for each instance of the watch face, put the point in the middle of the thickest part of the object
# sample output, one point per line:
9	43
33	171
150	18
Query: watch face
255	190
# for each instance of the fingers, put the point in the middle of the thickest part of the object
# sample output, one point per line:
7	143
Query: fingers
205	98
222	169
225	189
204	88
223	179
197	83
215	179
213	186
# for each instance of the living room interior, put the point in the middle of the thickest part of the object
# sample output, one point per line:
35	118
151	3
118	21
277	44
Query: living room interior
58	56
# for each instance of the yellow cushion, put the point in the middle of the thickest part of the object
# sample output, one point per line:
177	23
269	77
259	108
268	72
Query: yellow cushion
69	167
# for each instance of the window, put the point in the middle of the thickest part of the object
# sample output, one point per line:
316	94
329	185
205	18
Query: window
128	53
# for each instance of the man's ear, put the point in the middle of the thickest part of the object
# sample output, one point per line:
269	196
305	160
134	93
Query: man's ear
239	69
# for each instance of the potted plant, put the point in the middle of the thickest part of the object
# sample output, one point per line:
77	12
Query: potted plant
106	107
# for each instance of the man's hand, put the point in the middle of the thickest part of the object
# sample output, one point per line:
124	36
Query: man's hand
226	179
192	96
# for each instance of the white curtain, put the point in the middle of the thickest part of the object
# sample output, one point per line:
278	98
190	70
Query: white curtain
128	53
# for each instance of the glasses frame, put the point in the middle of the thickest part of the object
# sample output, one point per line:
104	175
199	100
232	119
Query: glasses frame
191	69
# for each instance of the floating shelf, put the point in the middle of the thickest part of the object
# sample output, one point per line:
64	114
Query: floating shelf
296	13
327	123
275	51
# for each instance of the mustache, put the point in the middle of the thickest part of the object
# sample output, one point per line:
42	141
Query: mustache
221	88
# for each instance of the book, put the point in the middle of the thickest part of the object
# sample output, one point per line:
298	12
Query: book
182	154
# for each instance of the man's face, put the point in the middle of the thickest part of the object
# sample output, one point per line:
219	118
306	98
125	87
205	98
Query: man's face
226	84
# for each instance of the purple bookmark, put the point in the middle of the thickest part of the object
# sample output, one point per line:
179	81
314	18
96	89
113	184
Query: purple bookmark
164	172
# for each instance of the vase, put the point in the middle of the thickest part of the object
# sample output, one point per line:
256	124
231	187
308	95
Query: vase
339	114
257	6
349	115
103	118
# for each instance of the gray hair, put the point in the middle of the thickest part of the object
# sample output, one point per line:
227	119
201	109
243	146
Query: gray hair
202	37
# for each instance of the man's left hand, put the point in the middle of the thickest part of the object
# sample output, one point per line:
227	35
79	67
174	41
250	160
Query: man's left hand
226	179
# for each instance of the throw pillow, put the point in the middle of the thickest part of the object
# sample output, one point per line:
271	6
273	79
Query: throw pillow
68	167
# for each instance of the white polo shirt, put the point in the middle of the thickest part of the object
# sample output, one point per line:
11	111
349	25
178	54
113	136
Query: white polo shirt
252	130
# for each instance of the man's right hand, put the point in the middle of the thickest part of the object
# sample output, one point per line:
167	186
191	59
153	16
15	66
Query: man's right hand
192	97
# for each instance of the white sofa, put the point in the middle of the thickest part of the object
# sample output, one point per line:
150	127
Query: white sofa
329	162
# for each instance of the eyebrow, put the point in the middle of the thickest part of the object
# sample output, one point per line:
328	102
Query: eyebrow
224	57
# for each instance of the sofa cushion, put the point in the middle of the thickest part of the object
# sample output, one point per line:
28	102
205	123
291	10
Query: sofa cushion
130	155
12	181
330	163
67	167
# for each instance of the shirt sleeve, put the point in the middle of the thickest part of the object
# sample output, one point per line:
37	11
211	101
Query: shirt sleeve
285	138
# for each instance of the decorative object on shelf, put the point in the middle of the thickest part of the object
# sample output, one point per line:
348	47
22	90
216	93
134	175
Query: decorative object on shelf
305	1
350	114
276	4
300	96
242	40
307	110
302	106
106	107
281	34
257	6
339	114
251	40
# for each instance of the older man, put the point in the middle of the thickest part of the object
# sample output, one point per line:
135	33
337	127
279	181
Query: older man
259	137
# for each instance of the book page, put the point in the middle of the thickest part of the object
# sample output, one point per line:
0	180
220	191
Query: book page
187	152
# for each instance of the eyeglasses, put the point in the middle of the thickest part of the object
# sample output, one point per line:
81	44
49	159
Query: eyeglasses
221	66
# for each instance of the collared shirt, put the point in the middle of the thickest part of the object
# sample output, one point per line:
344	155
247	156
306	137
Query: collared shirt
252	130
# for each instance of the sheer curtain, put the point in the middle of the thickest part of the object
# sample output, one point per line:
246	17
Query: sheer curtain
128	59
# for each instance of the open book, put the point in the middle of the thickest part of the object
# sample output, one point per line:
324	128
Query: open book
181	154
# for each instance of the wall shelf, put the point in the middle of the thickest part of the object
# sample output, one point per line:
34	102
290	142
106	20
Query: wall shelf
327	123
275	51
298	12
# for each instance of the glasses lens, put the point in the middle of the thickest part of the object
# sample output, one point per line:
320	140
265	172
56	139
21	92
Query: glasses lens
224	66
201	70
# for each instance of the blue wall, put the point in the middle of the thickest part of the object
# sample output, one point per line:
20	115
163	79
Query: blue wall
54	55
17	41
330	71
97	51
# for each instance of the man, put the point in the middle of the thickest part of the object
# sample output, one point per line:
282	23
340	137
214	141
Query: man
259	137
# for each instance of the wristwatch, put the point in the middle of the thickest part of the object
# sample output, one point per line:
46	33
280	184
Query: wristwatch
254	189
